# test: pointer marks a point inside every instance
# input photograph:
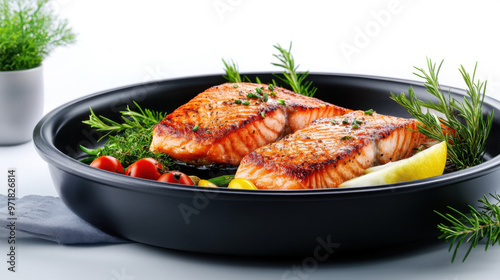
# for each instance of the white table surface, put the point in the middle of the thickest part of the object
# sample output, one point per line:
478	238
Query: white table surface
124	42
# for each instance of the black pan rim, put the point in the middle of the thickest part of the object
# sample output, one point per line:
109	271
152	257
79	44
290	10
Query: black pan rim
46	149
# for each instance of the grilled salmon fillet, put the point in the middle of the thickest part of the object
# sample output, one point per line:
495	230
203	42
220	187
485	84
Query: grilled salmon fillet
330	151
224	123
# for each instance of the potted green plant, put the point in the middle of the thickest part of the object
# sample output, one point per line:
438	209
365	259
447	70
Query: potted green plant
29	31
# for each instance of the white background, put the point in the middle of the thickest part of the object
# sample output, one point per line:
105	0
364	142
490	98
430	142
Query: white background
125	42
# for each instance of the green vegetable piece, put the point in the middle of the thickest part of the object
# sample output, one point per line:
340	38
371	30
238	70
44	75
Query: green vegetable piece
222	181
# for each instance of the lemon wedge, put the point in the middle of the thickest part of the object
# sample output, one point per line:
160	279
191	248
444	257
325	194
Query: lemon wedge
428	163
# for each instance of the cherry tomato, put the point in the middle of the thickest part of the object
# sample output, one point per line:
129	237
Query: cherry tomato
146	168
176	177
108	163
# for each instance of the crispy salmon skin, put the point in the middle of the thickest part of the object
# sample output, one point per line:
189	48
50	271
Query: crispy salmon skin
225	123
330	151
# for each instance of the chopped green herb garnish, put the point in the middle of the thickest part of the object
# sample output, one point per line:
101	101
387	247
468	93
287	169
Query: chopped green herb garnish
252	95
273	93
266	97
281	101
258	90
334	122
235	86
246	103
356	121
344	121
270	87
263	114
355	126
369	112
347	137
237	101
195	128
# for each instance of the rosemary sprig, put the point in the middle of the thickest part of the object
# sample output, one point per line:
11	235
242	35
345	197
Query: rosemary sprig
473	226
232	72
128	141
293	78
466	139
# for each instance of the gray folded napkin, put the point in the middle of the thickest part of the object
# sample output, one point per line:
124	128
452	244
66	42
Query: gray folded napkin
48	218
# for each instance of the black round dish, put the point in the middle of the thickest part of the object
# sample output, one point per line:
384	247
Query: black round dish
254	222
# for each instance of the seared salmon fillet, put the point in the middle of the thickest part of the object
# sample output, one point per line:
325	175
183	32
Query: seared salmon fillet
330	151
225	123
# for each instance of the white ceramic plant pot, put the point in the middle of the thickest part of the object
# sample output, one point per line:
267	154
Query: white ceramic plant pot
21	104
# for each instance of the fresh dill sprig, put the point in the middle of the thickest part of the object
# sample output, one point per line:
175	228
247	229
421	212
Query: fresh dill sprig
473	226
294	79
29	32
465	139
128	141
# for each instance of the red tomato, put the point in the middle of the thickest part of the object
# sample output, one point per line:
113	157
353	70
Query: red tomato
146	168
108	163
176	177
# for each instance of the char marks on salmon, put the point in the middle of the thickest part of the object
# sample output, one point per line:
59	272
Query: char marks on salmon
331	151
225	123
